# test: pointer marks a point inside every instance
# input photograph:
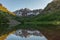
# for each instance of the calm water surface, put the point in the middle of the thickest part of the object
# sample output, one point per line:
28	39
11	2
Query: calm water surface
26	35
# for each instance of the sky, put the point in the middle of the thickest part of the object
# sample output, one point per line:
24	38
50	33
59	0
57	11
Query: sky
13	5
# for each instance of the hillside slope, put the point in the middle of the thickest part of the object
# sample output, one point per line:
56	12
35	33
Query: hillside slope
50	21
50	13
6	18
2	8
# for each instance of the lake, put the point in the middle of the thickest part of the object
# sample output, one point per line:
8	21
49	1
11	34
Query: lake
26	35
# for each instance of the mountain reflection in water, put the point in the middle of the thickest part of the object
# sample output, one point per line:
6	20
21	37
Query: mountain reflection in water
26	35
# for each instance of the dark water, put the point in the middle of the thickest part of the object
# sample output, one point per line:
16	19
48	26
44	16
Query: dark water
26	35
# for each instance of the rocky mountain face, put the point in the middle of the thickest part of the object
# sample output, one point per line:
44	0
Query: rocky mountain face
27	12
53	6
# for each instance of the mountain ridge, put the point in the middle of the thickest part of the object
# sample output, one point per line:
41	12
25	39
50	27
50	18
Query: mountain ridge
27	12
2	8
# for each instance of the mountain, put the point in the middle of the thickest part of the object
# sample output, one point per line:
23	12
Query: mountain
27	12
2	8
49	20
7	20
53	6
51	12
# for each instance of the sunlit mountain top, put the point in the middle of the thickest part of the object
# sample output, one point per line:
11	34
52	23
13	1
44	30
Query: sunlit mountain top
2	8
